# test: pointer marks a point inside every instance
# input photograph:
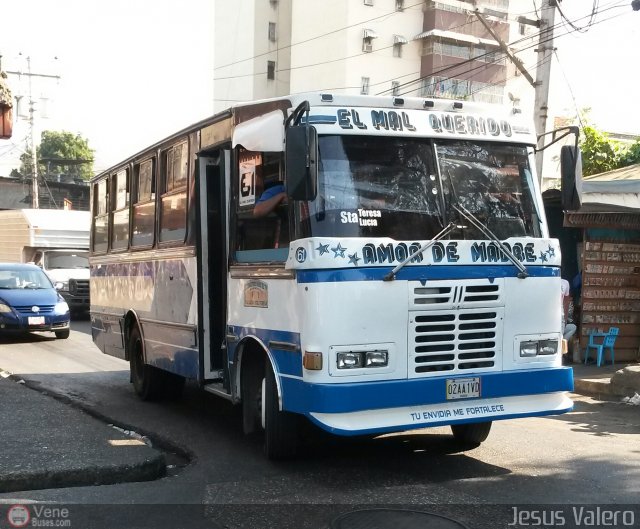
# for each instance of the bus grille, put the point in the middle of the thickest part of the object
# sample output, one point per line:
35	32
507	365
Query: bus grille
455	342
479	293
455	327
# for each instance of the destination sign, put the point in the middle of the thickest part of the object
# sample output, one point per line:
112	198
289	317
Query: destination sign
424	122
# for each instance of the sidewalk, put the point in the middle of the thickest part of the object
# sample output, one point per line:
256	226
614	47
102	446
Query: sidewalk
612	382
47	444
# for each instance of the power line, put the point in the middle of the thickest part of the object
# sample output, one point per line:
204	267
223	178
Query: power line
433	8
475	59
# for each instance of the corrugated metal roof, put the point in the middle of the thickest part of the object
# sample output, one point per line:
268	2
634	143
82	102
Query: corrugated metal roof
586	219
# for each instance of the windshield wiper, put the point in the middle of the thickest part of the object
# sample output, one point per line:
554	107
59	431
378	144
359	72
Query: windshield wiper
448	229
492	236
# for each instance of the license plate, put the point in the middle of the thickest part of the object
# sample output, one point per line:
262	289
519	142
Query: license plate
36	320
463	388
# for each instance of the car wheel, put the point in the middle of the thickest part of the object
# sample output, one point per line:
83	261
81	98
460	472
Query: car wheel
471	435
147	380
280	427
62	335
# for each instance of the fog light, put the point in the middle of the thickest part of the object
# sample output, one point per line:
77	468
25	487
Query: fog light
349	360
529	349
548	347
376	359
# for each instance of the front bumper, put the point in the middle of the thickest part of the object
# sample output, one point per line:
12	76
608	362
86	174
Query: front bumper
396	405
52	322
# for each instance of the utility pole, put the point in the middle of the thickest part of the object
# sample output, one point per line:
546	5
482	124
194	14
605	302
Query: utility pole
543	75
35	201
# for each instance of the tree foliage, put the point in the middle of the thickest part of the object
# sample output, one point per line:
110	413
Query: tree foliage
60	153
600	153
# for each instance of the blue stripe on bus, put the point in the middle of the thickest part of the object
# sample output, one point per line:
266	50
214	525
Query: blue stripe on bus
302	397
288	362
421	273
320	119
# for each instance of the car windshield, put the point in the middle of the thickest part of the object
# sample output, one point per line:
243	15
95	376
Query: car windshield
404	188
66	260
23	278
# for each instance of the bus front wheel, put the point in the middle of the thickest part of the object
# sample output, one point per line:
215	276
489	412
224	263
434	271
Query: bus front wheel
147	380
472	434
280	427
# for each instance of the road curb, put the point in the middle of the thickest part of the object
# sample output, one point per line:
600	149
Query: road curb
150	470
149	466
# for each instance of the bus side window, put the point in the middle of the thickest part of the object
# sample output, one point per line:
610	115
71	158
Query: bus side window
173	204
144	203
120	210
260	177
101	216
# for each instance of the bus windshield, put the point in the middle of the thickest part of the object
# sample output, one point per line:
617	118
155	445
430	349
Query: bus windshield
375	186
492	181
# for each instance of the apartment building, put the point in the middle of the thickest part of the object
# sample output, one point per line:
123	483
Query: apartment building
266	48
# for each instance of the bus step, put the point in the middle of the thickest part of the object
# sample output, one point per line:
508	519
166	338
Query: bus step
217	388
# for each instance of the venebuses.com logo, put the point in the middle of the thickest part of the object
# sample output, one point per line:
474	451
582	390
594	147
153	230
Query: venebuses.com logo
18	516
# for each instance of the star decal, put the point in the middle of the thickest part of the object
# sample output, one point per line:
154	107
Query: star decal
353	259
323	249
338	250
551	251
543	257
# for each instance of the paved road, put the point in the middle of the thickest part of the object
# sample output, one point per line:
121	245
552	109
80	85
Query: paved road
590	455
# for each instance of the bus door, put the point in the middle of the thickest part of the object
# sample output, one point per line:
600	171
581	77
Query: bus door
212	264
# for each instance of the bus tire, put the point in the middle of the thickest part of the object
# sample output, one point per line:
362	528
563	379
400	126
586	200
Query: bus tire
147	381
280	427
472	434
251	376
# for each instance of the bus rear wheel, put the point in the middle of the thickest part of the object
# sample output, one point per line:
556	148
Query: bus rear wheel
147	380
280	427
471	435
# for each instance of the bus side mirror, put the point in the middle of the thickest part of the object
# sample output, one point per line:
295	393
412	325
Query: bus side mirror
571	173
301	162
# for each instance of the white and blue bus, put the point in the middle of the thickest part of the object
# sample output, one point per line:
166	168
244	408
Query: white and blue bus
401	277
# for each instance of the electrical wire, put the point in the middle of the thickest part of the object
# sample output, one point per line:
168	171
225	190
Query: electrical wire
450	68
330	33
537	43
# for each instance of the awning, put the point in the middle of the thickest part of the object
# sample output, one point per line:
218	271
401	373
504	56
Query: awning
369	34
399	39
452	35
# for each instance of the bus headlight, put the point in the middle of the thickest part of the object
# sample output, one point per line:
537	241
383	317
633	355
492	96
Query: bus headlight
528	349
538	348
548	347
349	360
376	359
359	359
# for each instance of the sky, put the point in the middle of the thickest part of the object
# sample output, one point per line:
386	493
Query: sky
132	72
